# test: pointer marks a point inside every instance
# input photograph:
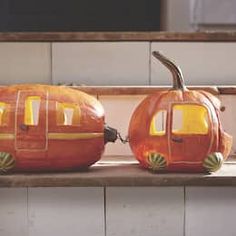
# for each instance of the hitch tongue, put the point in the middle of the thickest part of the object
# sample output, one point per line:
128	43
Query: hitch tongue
110	134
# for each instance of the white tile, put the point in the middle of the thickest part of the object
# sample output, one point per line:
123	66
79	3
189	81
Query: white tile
201	63
104	63
148	211
228	117
66	211
13	211
210	211
118	112
25	63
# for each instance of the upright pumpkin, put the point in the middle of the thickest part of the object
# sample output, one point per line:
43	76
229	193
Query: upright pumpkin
179	129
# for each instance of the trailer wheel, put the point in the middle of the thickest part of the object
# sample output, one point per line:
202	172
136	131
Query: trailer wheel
213	162
7	162
156	161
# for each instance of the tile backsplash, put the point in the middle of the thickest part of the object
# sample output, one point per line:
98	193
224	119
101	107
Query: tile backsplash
25	63
202	63
119	109
116	63
102	63
121	63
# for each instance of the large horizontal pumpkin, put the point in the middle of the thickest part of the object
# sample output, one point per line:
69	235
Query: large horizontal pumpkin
50	128
179	129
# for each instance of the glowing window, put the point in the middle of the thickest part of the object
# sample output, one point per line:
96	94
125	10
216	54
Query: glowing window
190	119
158	124
32	105
3	114
67	114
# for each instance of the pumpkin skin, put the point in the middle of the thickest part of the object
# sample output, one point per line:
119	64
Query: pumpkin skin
50	144
193	150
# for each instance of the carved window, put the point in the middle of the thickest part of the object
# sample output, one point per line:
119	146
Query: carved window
190	119
158	124
3	114
32	106
67	114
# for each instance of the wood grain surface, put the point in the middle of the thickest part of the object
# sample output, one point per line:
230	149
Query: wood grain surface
120	171
117	36
145	90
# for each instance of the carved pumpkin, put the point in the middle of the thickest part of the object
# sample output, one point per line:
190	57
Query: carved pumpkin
179	129
50	128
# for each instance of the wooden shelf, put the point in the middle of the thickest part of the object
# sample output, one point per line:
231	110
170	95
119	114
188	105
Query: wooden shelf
120	171
117	36
145	90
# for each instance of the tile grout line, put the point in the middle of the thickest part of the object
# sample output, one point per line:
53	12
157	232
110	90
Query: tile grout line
27	205
184	223
149	64
104	205
51	66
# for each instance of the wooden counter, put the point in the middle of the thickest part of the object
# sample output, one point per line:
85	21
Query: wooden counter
120	171
117	36
145	90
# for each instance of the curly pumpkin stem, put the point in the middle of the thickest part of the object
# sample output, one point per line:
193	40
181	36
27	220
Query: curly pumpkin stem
178	79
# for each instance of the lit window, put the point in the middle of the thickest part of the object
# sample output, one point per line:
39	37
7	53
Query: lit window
190	119
67	114
158	124
32	105
3	114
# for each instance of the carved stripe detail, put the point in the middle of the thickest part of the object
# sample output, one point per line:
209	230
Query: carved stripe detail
6	136
73	136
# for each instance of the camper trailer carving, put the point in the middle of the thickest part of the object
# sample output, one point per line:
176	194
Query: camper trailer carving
50	128
179	129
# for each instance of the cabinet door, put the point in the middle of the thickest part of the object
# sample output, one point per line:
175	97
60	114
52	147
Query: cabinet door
148	211
66	211
210	211
13	212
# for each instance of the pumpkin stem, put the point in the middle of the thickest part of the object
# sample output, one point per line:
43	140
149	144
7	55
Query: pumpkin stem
178	79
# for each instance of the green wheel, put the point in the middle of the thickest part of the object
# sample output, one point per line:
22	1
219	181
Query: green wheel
156	161
213	162
7	162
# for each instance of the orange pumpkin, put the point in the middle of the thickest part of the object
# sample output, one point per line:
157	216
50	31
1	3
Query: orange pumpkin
179	129
50	128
